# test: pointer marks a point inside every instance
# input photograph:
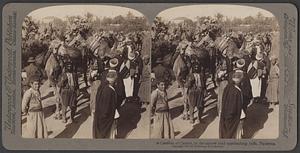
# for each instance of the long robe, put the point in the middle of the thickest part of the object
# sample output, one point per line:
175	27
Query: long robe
222	79
94	87
231	112
272	90
222	85
145	88
106	100
264	80
256	82
162	125
36	125
119	87
246	90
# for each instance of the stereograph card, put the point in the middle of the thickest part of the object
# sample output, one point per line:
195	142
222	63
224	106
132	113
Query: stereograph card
149	76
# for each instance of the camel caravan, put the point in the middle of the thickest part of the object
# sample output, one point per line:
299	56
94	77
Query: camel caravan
62	58
195	56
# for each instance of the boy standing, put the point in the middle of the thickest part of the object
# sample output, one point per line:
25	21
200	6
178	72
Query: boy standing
163	126
32	106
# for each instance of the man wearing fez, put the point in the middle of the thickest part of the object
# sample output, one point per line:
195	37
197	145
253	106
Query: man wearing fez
245	84
195	91
105	108
130	71
119	84
256	71
232	113
136	69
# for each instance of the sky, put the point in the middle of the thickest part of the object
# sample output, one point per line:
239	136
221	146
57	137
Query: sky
73	10
230	11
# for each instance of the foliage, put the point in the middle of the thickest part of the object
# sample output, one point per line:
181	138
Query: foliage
256	24
34	32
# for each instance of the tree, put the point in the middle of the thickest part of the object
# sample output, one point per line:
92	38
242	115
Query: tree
236	21
260	18
249	20
71	19
118	19
60	24
89	16
95	25
219	17
107	21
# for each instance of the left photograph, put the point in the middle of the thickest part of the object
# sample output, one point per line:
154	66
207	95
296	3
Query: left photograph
85	73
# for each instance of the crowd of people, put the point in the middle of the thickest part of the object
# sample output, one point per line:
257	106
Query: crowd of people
241	65
118	73
246	71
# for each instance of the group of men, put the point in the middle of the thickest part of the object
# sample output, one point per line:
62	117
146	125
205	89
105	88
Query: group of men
244	78
114	80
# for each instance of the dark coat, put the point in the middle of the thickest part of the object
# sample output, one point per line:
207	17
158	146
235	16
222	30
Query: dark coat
67	92
136	69
137	64
119	87
245	87
106	100
101	65
246	90
231	111
267	63
247	62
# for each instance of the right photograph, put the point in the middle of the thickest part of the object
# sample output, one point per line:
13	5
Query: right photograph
215	73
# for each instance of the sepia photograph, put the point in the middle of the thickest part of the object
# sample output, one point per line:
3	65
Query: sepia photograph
214	73
85	72
149	76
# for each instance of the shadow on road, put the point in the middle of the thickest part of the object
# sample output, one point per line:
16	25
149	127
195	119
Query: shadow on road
24	120
84	94
257	115
71	129
48	111
130	115
213	94
176	111
199	128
